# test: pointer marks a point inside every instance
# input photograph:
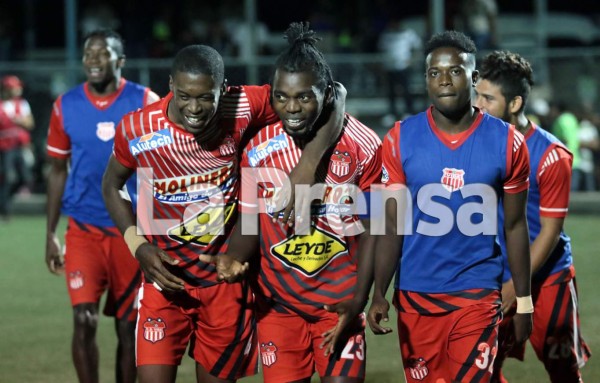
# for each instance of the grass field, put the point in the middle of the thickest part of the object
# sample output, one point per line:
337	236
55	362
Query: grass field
36	315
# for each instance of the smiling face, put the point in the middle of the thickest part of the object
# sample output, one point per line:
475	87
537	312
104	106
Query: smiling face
101	62
195	101
297	101
489	99
449	78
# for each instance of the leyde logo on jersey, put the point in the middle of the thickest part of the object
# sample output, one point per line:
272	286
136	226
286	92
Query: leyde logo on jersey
311	253
154	329
150	141
340	163
261	151
105	130
268	353
453	179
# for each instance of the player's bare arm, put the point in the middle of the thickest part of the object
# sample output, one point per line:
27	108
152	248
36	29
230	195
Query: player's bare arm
387	254
56	186
325	138
151	258
517	246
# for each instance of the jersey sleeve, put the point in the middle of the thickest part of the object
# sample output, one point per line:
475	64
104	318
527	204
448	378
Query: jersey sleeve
121	144
150	97
554	182
59	143
371	170
260	105
247	199
517	177
392	172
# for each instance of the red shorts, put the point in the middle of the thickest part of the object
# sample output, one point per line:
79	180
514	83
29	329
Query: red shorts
456	346
97	259
289	348
556	336
218	318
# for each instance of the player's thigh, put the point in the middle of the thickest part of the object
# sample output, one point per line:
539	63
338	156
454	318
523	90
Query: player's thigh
225	340
85	265
125	279
349	361
285	347
163	328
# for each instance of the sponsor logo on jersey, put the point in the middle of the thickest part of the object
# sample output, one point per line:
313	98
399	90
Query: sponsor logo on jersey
261	151
268	353
385	176
194	188
340	163
76	280
310	253
202	229
150	141
453	179
105	130
154	329
418	368
228	147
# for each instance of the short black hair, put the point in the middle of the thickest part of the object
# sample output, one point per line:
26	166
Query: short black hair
510	71
452	39
199	59
119	45
302	54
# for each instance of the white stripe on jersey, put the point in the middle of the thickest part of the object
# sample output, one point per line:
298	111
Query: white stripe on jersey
554	210
57	150
551	157
518	141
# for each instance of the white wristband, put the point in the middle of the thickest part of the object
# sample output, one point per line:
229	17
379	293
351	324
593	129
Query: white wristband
133	240
524	305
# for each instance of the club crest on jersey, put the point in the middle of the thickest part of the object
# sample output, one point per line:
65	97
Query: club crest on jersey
105	130
268	353
150	141
340	163
76	280
418	368
309	254
261	151
154	329
227	148
453	179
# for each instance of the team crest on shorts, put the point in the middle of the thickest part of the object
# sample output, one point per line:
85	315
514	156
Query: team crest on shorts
418	368
453	179
154	329
227	148
268	353
340	163
105	130
75	280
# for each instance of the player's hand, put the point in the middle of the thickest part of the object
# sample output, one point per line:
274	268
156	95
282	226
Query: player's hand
297	203
523	326
509	297
54	258
347	312
229	269
378	312
152	260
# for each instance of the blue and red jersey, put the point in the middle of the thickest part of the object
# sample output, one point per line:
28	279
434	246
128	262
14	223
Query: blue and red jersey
82	128
550	182
451	259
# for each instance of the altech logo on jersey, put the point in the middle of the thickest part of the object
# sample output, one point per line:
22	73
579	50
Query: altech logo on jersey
268	353
154	329
261	151
453	179
418	368
310	253
202	228
150	141
76	280
340	163
105	130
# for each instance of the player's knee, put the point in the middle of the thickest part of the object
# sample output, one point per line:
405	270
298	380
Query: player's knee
126	331
85	317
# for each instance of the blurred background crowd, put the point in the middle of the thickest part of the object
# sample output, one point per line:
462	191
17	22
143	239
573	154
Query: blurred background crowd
374	47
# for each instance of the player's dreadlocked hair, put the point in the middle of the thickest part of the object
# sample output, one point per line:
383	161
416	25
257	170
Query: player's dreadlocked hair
510	71
452	39
199	59
118	43
302	55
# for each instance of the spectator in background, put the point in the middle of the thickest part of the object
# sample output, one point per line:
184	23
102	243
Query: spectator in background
9	141
588	145
566	128
477	19
399	44
17	109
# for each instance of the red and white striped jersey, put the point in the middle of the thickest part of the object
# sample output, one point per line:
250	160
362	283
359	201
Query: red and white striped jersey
303	272
189	190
